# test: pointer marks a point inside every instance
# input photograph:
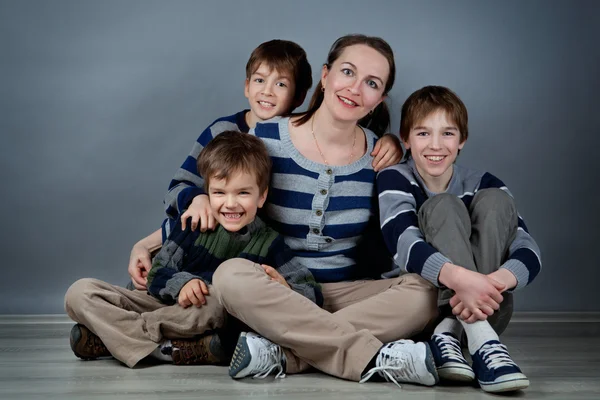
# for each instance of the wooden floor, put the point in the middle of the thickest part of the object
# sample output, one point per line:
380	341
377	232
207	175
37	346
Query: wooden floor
559	353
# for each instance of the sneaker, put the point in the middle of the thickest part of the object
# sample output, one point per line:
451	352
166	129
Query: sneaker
85	344
205	350
405	361
449	360
496	371
254	355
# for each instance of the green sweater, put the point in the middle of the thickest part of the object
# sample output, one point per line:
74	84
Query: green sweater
188	255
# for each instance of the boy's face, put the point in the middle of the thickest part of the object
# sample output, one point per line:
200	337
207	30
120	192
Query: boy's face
270	94
235	201
434	143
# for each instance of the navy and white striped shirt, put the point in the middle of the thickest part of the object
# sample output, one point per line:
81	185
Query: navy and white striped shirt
402	192
322	211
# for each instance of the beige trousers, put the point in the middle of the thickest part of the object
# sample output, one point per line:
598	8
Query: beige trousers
340	339
132	323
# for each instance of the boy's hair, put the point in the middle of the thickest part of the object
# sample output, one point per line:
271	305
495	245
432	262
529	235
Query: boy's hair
233	152
429	99
286	57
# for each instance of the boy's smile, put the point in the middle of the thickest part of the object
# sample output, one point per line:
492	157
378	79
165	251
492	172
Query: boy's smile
270	94
235	201
434	144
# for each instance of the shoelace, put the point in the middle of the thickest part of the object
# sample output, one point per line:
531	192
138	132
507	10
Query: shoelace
495	355
450	347
269	359
392	364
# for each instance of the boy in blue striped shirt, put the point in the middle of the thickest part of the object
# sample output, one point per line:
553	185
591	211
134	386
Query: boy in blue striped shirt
459	229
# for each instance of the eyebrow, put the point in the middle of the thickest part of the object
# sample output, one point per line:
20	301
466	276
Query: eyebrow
446	128
370	76
281	76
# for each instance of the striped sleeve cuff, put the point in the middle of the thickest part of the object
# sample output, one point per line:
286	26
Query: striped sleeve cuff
432	267
519	270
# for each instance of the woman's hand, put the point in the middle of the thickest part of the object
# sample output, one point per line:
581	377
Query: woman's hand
199	211
275	276
387	152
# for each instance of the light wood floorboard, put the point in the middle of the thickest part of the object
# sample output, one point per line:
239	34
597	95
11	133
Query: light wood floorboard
561	357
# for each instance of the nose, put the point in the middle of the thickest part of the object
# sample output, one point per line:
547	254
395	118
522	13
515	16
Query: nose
436	141
268	89
354	88
230	201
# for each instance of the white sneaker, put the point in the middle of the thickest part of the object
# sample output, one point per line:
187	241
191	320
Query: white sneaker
405	361
254	355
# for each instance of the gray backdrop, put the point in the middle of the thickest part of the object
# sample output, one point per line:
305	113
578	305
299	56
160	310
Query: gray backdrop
102	100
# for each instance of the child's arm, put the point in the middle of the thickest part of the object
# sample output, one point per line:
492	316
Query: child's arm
524	258
297	277
400	227
186	190
387	151
167	276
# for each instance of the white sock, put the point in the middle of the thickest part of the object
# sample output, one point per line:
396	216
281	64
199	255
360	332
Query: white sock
163	356
478	333
450	325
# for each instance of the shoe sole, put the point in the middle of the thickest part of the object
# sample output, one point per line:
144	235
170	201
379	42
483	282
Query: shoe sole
456	374
241	358
513	383
430	364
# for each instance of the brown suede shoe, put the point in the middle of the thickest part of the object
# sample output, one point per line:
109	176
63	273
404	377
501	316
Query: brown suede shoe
86	345
205	350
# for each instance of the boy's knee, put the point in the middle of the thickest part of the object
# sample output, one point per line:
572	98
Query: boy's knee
229	277
424	299
77	292
493	199
443	205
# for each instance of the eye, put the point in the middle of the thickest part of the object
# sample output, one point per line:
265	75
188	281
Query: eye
372	84
281	84
448	133
347	72
217	193
244	193
259	80
422	133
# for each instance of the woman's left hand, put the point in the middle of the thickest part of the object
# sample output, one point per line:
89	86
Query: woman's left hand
387	152
275	276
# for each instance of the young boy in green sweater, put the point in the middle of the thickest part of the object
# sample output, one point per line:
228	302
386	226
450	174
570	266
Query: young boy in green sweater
181	303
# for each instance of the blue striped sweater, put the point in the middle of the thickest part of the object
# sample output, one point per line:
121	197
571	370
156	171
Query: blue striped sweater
327	214
402	192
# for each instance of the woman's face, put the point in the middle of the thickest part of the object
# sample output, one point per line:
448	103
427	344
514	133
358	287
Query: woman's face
355	83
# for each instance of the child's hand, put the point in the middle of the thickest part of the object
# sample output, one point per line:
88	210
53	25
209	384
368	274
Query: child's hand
139	265
275	276
479	294
387	152
200	211
193	292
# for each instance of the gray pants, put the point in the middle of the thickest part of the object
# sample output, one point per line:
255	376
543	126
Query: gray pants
477	239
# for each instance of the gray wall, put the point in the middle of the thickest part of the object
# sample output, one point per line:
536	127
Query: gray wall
100	102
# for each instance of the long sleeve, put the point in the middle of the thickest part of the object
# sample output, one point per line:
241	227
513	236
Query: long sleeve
400	227
167	275
187	183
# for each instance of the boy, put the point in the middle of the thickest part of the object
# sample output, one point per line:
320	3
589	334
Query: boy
131	325
459	229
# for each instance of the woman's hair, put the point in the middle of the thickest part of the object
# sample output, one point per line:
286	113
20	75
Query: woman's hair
379	120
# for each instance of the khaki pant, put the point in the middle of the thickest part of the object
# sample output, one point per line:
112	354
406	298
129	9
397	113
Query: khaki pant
132	323
340	339
477	239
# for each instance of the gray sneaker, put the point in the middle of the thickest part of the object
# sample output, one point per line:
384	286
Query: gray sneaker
405	361
257	357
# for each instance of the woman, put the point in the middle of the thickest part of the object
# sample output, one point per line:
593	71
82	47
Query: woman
322	198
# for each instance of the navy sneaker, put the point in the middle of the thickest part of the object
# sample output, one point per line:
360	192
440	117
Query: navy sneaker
257	357
449	360
496	371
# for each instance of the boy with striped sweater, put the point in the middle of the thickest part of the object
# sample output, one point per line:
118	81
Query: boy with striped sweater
181	302
459	229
